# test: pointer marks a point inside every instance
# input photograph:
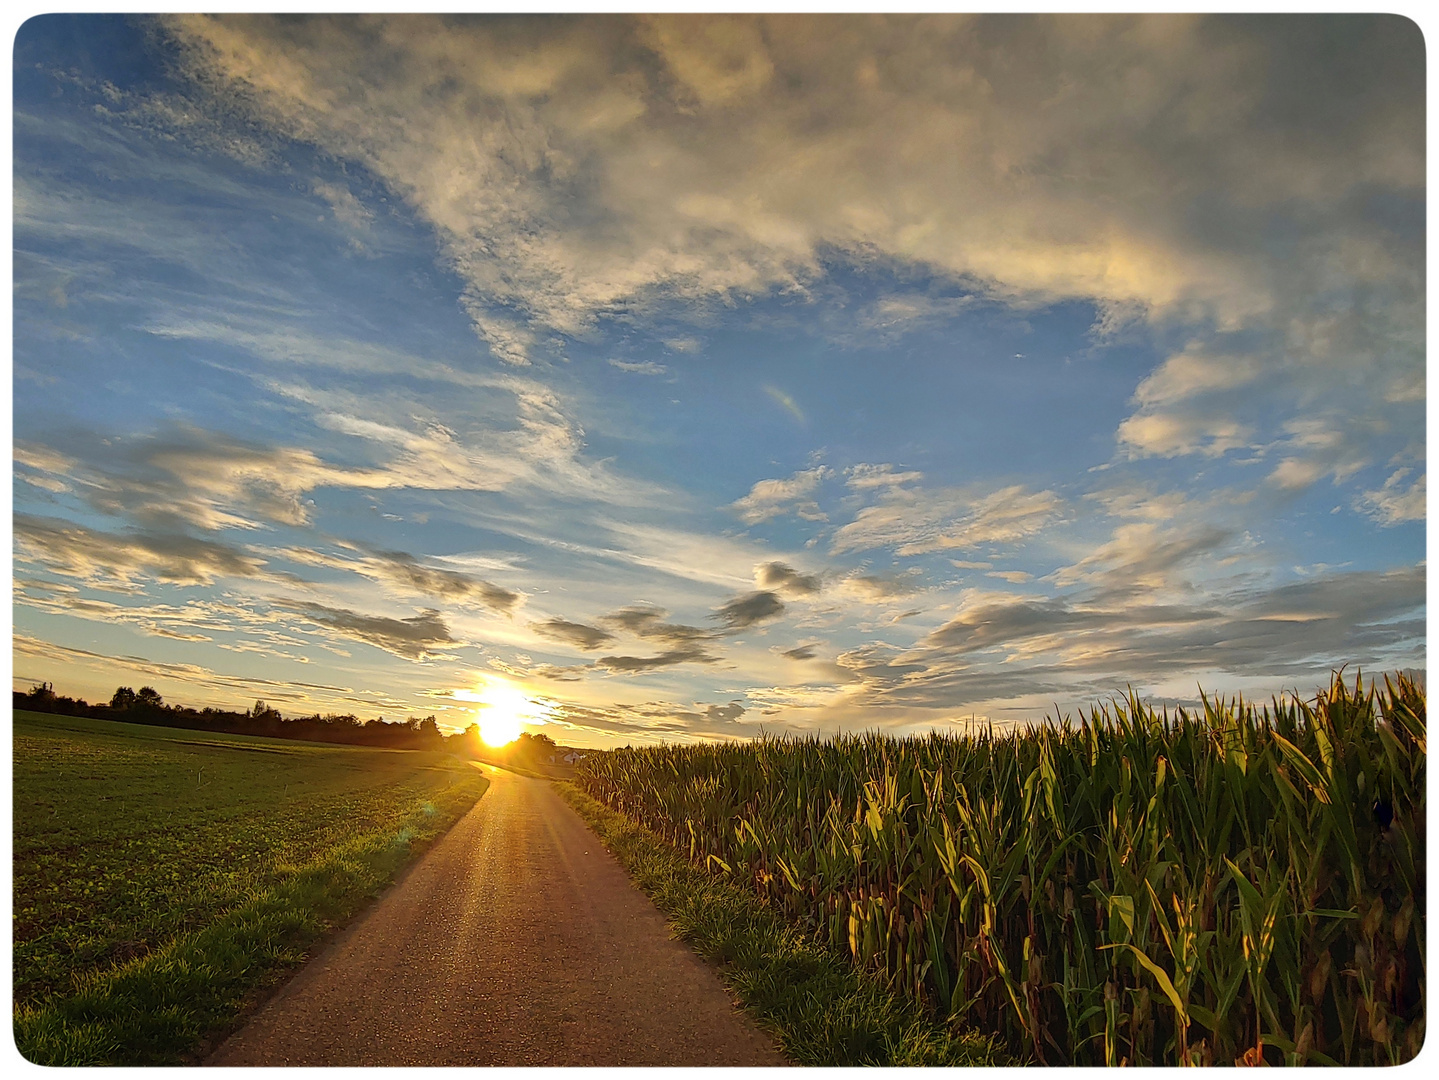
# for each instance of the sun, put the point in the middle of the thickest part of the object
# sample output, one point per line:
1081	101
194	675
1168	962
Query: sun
504	711
497	728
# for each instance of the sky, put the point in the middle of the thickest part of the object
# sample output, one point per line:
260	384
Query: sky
688	378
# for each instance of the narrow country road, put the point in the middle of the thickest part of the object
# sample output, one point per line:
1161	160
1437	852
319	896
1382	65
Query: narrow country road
516	940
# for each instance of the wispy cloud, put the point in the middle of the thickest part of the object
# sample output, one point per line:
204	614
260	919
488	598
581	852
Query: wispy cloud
1170	434
1186	405
117	560
348	210
409	575
915	521
650	623
661	719
1014	577
572	633
1193	372
639	664
866	477
771	498
189	476
418	637
1143	555
1002	646
1395	503
783	578
876	589
745	611
640	367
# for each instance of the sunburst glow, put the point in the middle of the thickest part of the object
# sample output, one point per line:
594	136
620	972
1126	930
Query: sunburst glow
498	727
504	712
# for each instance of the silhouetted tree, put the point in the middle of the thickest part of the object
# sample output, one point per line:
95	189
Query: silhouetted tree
148	707
533	747
264	713
422	733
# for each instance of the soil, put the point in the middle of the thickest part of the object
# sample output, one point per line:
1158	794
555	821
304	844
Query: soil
516	940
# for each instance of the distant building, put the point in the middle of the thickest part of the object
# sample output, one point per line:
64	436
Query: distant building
572	757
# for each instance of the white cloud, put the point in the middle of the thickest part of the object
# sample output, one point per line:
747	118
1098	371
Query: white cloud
1142	502
867	477
1296	474
771	498
1014	577
408	575
1322	445
640	367
1186	405
915	522
348	210
572	166
517	434
1195	371
1144	555
1152	434
1393	503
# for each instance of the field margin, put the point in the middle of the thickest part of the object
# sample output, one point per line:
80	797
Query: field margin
820	1008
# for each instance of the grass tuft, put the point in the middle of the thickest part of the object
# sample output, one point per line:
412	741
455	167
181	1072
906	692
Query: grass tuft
820	1008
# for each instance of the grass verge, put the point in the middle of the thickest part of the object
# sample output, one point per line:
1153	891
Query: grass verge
820	1008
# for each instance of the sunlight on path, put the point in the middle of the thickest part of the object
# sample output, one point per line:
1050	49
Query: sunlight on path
517	941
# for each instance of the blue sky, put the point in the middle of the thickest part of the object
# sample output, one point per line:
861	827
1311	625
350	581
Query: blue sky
693	377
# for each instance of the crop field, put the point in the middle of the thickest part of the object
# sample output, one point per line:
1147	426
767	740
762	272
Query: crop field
1237	885
163	877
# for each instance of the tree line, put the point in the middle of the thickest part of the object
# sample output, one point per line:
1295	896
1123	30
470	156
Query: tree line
146	706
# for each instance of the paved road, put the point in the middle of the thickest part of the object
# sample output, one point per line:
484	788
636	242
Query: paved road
517	940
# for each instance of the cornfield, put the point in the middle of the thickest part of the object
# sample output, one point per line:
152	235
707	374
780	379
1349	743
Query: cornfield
1222	885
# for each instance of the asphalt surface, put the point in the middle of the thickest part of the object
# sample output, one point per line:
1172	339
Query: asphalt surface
516	940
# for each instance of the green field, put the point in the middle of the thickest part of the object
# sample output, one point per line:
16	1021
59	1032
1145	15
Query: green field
164	878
